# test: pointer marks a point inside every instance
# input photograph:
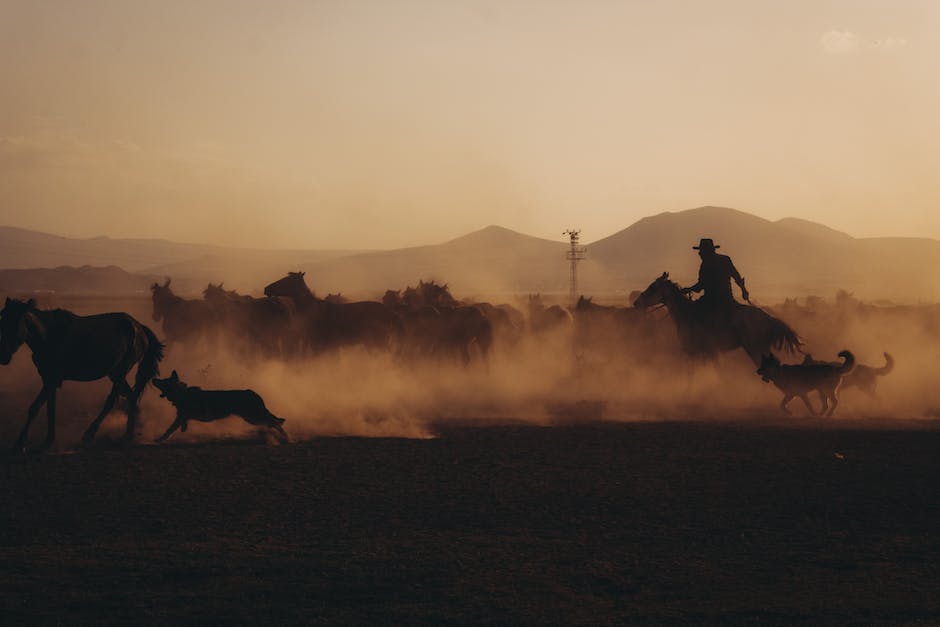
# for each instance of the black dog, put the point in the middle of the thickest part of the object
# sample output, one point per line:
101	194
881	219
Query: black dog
193	403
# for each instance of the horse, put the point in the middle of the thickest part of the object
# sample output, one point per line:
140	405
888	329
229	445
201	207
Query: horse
608	329
69	347
436	325
544	319
746	326
331	325
183	320
263	323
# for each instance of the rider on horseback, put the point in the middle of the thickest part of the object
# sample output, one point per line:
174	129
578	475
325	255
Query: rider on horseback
714	276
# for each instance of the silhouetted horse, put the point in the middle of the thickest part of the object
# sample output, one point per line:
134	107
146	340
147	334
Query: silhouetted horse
436	325
609	329
183	320
265	324
544	319
67	347
330	325
743	326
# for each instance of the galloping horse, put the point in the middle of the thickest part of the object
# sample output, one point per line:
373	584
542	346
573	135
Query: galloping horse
68	347
747	327
330	325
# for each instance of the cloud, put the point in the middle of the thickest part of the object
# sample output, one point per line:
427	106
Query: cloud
839	42
888	43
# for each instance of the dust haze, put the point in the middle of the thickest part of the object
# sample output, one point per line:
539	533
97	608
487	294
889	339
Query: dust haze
588	369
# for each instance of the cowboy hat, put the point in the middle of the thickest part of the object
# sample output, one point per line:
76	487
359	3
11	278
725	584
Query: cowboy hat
705	243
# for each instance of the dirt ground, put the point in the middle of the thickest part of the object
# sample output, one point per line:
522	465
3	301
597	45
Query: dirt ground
747	522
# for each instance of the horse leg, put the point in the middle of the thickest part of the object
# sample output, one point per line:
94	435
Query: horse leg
92	429
31	414
835	402
50	416
784	402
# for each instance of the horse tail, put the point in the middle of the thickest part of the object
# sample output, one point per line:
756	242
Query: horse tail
150	362
888	367
783	337
848	362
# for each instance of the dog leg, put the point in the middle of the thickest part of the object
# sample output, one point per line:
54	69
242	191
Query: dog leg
824	401
835	401
179	422
809	407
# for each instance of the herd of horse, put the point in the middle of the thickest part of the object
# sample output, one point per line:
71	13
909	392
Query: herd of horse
290	321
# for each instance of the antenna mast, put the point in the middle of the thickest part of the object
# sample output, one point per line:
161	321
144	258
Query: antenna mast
574	255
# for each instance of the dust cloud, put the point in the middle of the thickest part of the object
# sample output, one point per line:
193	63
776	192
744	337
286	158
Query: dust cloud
588	369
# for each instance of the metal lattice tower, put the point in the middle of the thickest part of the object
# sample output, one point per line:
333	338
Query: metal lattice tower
574	255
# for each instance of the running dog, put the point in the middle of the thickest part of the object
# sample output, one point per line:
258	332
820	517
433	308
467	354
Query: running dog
801	379
863	377
194	403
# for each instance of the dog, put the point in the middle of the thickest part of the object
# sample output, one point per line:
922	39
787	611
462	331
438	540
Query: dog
862	377
801	379
194	403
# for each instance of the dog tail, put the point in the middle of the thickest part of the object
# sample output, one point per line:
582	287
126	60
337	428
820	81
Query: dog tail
888	367
848	362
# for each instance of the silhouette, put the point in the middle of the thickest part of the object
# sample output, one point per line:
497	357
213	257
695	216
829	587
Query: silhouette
862	377
746	326
194	403
183	320
264	324
606	329
543	319
436	325
801	379
714	278
325	325
68	347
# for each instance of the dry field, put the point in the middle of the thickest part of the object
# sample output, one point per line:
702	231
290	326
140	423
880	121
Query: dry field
752	522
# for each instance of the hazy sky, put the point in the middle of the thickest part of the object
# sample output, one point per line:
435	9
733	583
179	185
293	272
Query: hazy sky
355	123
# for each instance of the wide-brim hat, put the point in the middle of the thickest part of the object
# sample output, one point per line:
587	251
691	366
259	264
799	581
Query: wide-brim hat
705	243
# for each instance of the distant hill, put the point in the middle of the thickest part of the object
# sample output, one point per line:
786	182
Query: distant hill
71	280
21	248
788	257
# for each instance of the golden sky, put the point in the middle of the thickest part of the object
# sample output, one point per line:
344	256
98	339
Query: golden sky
385	123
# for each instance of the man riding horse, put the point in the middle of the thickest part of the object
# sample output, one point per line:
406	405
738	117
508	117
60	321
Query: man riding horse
714	277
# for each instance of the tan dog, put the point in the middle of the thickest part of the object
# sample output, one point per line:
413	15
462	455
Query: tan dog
801	379
862	377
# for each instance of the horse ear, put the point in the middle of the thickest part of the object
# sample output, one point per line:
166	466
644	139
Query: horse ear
167	282
9	300
303	274
174	376
31	303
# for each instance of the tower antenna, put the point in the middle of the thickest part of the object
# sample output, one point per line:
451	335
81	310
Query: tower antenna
574	255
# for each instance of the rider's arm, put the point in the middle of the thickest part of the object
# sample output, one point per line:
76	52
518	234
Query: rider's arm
738	279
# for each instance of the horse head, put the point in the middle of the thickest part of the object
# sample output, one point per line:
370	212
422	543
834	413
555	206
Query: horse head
392	298
658	292
13	327
162	296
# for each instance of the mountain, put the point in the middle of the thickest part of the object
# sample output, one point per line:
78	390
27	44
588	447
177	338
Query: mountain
241	268
783	258
788	257
71	280
493	260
